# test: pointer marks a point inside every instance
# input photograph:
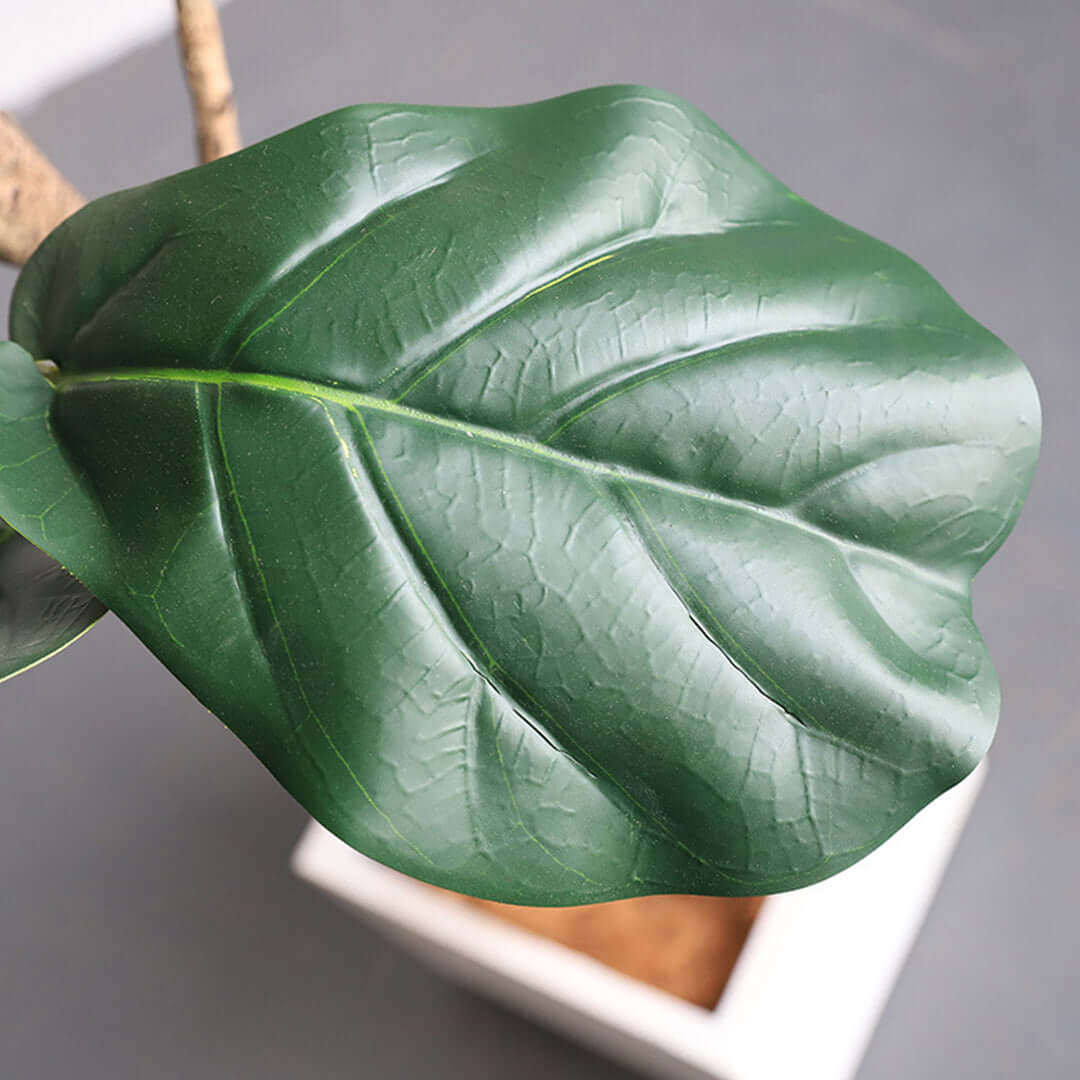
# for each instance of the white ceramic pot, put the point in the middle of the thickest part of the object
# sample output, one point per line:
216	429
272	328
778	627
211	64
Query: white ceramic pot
802	1002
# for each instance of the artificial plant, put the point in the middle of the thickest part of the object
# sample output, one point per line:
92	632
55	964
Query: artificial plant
559	506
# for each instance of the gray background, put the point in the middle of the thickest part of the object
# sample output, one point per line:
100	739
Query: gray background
148	924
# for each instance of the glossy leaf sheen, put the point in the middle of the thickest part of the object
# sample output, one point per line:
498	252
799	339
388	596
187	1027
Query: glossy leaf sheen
559	506
42	607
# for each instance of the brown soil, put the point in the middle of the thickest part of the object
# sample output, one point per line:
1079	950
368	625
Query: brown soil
686	945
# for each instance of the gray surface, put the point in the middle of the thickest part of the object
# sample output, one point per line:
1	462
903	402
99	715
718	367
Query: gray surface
148	925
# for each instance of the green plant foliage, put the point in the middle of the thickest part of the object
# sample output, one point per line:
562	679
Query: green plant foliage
559	506
42	607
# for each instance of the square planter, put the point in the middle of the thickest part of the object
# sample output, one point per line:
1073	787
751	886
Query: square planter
824	958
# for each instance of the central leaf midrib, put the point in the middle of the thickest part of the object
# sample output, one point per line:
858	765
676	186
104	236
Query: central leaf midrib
356	399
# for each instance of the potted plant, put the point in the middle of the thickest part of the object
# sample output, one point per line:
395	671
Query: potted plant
514	469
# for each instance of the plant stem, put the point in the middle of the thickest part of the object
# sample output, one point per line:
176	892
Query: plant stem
207	68
34	196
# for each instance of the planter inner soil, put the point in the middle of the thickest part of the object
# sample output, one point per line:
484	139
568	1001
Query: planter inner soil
685	945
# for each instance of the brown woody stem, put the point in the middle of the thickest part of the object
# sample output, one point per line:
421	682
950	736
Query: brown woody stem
208	78
34	196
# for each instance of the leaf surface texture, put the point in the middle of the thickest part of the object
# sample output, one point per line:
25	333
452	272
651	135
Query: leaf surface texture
559	506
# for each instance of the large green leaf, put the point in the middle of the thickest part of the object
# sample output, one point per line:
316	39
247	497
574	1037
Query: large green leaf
559	506
42	607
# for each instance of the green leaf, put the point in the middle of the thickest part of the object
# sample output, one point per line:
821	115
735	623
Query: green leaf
559	506
42	607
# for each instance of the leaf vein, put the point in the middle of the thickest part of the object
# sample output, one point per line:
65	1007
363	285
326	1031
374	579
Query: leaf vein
353	399
312	713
